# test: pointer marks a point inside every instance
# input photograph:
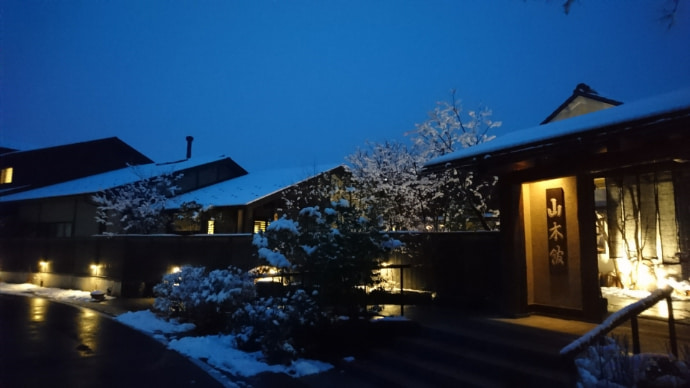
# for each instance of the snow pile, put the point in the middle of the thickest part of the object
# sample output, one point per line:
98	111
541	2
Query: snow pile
220	352
147	322
611	365
47	292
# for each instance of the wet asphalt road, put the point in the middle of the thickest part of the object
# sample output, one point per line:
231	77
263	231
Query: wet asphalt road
49	344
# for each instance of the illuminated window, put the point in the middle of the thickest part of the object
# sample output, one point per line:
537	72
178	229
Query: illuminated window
6	175
259	226
211	227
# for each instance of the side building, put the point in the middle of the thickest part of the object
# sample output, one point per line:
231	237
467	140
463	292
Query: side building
50	236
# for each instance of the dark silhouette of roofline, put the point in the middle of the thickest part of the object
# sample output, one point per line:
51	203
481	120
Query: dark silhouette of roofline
46	166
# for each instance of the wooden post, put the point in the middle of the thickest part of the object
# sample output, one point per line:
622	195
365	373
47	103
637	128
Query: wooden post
672	328
635	334
402	299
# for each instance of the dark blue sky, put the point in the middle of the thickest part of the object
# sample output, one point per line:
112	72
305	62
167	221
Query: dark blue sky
299	82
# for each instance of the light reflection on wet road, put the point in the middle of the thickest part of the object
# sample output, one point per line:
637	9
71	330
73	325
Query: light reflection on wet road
43	343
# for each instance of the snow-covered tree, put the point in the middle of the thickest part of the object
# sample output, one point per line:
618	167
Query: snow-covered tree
448	130
188	217
389	175
320	190
335	250
669	10
137	207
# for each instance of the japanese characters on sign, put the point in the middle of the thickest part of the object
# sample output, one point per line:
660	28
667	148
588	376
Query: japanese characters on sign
556	231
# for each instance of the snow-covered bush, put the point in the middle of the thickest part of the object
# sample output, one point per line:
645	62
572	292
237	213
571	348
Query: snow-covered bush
611	365
206	299
225	301
271	325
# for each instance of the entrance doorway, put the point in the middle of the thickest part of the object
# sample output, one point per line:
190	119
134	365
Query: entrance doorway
552	244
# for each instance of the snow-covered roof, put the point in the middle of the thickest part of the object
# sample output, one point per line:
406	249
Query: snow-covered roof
530	137
248	188
107	180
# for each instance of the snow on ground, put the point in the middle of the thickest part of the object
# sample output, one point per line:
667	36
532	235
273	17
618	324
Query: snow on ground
218	351
149	323
46	292
618	298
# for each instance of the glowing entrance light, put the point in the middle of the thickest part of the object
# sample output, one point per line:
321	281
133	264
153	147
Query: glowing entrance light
266	274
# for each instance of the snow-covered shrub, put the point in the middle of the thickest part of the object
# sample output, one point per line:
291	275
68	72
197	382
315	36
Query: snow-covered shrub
611	365
206	299
271	324
226	301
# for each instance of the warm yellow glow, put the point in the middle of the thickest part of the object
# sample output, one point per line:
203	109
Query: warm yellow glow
175	270
43	265
38	309
87	330
211	226
6	175
265	273
260	226
95	269
645	279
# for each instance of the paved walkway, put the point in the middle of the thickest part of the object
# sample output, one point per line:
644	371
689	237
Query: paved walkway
654	332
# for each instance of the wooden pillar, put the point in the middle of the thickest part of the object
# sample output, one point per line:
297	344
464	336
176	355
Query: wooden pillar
512	265
593	306
240	220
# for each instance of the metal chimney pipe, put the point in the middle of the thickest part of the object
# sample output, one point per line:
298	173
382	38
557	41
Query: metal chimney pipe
189	146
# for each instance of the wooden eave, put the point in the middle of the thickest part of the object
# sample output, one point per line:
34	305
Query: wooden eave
649	141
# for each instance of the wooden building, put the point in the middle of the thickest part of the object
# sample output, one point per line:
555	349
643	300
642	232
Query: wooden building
48	229
67	209
247	204
31	169
580	197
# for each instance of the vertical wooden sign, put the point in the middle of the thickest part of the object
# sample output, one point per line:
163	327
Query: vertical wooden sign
556	231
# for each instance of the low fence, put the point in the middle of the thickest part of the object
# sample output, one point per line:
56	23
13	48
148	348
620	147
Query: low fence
459	268
137	262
